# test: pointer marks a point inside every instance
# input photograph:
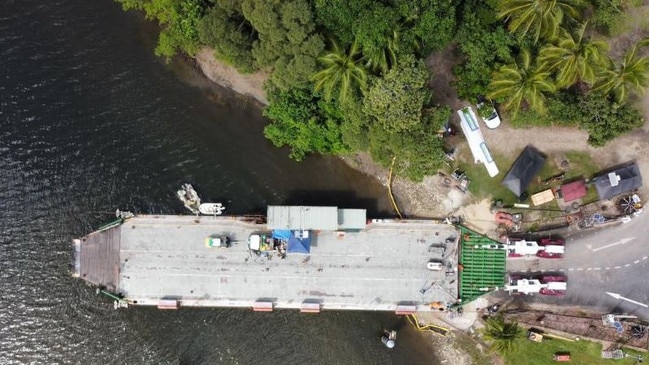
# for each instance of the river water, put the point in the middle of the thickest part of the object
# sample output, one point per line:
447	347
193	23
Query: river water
91	121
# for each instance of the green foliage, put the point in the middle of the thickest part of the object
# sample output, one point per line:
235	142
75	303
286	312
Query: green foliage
484	48
395	101
432	23
231	36
574	58
562	109
374	26
179	20
609	15
421	25
381	59
303	122
604	119
338	17
343	73
354	129
628	76
417	152
287	42
601	116
538	18
522	83
501	334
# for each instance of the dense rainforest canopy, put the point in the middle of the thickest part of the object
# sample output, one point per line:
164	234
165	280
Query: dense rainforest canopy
350	75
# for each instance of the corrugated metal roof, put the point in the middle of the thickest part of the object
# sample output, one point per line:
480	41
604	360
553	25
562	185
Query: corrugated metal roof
352	219
302	217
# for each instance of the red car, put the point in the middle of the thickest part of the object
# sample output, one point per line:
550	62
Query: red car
556	285
552	241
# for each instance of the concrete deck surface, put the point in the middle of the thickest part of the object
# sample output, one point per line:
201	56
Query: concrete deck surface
164	257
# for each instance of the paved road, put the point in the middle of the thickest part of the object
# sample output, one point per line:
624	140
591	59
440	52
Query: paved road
614	259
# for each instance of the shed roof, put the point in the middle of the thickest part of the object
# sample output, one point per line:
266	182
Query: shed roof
622	180
573	190
519	176
543	197
302	217
352	219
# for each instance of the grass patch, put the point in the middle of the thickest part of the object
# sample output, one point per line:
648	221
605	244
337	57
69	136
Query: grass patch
581	352
581	164
484	186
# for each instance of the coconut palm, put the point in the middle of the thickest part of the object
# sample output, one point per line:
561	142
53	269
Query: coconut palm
538	18
343	72
381	59
522	82
632	74
501	334
575	58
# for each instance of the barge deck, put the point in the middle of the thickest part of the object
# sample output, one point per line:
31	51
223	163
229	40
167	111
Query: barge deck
161	260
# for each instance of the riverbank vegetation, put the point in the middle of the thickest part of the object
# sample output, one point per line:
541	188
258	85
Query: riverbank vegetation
351	75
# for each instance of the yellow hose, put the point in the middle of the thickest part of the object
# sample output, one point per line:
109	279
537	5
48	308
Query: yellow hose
394	203
427	328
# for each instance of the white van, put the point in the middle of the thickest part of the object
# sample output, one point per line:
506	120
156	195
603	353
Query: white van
434	266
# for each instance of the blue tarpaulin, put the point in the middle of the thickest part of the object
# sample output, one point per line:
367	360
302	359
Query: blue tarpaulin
294	244
282	234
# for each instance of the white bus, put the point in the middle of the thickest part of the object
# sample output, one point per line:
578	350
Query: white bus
471	130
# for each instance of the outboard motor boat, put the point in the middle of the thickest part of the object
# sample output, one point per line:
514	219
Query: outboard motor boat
389	338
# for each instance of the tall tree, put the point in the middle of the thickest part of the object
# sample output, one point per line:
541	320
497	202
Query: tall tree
231	36
538	18
605	119
343	73
630	75
431	24
501	334
575	58
303	122
396	101
381	58
287	42
522	82
179	20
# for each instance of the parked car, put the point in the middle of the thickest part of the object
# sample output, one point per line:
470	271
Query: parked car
546	241
488	113
434	265
217	241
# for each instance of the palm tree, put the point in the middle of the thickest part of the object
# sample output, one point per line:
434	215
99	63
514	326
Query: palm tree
576	59
538	18
501	334
632	74
522	82
381	59
343	72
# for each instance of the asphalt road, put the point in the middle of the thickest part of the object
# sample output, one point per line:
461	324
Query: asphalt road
614	259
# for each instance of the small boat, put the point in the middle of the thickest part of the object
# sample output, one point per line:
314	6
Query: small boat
189	197
211	208
389	338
